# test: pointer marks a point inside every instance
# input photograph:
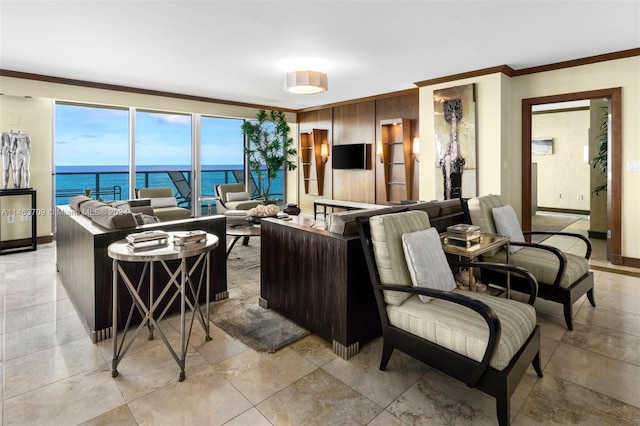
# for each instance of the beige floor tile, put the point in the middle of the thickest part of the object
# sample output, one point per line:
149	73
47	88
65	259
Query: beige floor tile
50	365
613	319
251	417
547	348
34	339
612	299
551	326
554	401
30	316
362	372
204	398
145	371
617	283
385	418
315	349
318	398
259	375
522	420
437	399
599	373
611	343
220	347
120	416
69	401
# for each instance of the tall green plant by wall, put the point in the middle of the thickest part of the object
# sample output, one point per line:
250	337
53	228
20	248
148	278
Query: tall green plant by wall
269	147
600	161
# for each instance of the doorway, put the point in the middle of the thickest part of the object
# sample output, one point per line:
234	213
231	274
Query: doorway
614	155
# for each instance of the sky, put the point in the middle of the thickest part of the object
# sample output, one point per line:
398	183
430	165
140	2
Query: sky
100	136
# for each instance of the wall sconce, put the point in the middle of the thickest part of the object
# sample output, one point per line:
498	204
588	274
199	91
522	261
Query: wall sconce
324	152
416	148
379	150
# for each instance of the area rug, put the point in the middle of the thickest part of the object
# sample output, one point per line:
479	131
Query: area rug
549	223
240	315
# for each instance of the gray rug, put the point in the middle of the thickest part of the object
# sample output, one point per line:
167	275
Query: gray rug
549	223
240	315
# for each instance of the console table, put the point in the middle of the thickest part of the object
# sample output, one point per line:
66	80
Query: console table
347	205
32	246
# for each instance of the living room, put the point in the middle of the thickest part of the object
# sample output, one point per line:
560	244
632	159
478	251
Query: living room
502	95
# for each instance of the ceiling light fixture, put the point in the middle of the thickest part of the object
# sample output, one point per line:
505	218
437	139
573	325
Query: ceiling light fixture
305	82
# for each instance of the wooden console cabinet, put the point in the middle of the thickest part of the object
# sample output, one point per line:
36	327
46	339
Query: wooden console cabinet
320	281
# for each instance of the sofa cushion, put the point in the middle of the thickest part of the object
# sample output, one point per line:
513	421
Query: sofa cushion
166	214
462	330
427	262
161	202
77	201
157	192
507	224
112	218
386	237
89	207
237	196
243	205
344	222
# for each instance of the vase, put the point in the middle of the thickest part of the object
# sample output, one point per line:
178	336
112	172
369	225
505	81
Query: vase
292	209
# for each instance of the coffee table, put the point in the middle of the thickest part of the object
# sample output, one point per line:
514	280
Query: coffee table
243	231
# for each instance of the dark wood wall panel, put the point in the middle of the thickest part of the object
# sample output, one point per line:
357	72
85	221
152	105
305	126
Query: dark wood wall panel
359	122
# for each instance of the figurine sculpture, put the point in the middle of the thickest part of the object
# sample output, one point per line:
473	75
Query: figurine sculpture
16	154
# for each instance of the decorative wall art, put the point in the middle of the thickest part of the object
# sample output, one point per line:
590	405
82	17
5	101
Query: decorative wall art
455	140
542	146
15	148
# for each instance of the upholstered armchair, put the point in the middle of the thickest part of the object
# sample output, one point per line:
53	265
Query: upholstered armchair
233	196
562	277
164	203
484	341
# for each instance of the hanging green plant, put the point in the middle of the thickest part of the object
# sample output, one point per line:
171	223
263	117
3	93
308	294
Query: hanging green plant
269	148
600	161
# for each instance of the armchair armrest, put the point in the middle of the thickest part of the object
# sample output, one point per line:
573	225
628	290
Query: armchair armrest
566	234
518	270
486	312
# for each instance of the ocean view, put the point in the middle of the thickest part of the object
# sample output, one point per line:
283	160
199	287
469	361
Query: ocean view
70	180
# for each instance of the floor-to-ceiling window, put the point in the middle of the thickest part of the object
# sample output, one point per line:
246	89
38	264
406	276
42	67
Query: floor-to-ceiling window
163	152
221	154
91	152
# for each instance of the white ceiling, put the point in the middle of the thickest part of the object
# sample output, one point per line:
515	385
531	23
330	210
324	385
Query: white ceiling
240	50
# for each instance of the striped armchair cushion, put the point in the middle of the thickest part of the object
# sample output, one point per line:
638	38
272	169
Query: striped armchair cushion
462	330
544	265
386	236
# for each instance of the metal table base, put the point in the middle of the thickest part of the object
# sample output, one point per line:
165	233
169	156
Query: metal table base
181	281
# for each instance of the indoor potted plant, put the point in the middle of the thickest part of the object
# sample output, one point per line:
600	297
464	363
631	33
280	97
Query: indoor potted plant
269	147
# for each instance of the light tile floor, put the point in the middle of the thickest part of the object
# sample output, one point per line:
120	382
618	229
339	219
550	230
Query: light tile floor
53	374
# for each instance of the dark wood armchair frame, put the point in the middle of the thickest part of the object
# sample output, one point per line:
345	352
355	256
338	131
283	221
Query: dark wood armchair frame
479	375
567	296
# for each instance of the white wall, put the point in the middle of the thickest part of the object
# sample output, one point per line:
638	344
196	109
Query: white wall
499	124
563	176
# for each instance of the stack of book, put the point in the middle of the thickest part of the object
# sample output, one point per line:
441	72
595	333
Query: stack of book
463	235
147	240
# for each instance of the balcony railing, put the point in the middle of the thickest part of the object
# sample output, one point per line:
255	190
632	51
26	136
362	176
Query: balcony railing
111	186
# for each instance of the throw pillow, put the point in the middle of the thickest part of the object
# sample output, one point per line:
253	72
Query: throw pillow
427	262
122	205
237	196
164	202
507	224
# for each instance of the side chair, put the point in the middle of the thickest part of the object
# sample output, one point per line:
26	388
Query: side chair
484	341
562	277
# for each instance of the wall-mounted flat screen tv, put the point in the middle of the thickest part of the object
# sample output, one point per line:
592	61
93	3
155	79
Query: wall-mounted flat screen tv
351	156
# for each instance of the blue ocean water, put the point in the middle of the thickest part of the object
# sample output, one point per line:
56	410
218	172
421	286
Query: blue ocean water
70	180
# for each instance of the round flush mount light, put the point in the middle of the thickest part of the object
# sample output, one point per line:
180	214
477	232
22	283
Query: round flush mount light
305	82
